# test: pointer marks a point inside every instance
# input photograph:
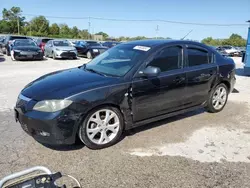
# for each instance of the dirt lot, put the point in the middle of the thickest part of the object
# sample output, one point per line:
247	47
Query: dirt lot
196	149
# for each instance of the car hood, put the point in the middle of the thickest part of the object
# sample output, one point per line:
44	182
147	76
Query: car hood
26	48
62	48
65	83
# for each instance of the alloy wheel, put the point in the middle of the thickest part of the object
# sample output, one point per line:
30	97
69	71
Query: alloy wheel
219	98
103	126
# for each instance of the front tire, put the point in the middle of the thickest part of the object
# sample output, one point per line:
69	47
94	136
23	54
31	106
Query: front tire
89	55
101	128
54	55
217	98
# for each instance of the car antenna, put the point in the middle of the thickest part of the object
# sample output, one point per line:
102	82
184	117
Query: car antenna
186	35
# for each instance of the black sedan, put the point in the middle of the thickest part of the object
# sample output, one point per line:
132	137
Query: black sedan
25	49
110	44
89	49
129	85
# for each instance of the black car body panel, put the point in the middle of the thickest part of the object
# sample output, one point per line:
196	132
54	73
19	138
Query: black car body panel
26	52
140	99
83	47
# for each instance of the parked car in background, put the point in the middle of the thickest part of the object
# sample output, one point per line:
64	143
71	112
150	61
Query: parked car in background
25	49
8	40
129	85
229	50
42	41
90	49
60	49
72	42
110	44
222	51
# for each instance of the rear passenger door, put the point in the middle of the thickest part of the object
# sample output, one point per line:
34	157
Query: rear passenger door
201	74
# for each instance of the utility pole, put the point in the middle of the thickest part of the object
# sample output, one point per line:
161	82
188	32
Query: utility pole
156	31
89	29
18	25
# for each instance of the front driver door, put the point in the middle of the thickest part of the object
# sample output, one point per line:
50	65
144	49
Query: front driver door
165	93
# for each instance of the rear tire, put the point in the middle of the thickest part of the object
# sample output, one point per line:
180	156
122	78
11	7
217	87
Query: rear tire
101	128
217	98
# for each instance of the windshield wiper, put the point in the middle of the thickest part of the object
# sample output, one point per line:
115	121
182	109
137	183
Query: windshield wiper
94	71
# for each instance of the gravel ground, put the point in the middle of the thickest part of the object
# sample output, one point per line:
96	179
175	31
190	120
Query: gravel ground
196	149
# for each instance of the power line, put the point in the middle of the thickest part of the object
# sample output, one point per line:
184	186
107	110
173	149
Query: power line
150	20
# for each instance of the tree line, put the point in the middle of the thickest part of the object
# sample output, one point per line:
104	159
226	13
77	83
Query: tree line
14	23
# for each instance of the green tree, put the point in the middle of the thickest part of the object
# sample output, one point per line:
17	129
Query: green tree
54	30
14	18
39	26
64	31
105	35
75	32
4	26
84	34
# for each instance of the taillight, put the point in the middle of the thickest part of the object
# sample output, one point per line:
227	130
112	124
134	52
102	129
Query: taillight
10	41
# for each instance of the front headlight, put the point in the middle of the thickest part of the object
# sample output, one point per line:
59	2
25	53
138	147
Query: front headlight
95	50
57	49
17	50
51	105
40	51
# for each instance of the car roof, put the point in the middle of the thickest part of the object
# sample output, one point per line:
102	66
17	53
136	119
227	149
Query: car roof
159	42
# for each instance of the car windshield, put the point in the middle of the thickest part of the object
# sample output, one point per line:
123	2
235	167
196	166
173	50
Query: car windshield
117	61
24	43
61	43
93	44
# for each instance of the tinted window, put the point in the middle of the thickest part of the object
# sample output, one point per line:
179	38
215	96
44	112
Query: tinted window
168	59
45	40
197	56
117	61
61	43
24	43
17	37
93	44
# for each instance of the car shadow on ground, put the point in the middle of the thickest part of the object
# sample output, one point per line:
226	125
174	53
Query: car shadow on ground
77	146
24	60
145	127
2	59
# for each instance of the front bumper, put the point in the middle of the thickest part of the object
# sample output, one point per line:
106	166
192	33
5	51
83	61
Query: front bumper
28	55
49	128
65	54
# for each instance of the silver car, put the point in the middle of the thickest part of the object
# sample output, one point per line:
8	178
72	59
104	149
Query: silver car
60	49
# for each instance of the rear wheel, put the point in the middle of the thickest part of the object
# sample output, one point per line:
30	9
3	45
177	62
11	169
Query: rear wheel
89	55
101	128
217	98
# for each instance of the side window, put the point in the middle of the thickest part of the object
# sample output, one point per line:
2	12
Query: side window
197	57
168	59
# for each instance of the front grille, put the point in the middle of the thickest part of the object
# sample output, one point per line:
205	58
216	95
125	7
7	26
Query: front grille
20	103
68	54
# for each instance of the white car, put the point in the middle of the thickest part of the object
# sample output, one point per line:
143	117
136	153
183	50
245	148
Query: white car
230	50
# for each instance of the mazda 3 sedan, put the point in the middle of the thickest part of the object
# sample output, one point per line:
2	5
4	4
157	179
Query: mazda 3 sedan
128	85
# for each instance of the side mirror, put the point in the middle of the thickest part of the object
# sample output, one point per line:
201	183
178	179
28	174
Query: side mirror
150	72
